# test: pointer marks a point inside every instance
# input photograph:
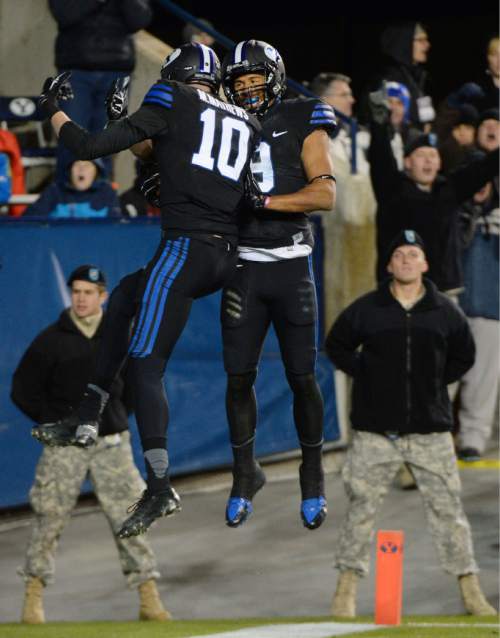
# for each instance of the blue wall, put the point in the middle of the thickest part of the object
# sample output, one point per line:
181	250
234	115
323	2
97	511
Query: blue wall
36	259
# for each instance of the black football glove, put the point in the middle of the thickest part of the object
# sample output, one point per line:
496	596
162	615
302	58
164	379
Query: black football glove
55	89
117	99
253	195
379	105
150	183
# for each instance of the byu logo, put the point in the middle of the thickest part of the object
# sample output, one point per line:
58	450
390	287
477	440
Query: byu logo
173	56
22	106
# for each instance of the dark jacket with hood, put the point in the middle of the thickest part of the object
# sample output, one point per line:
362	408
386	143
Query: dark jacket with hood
407	358
53	374
397	46
96	35
65	201
433	215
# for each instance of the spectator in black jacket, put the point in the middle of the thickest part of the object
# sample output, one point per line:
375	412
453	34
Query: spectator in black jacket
49	380
95	43
420	198
414	341
406	47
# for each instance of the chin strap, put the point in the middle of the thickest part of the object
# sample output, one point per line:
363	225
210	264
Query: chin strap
322	177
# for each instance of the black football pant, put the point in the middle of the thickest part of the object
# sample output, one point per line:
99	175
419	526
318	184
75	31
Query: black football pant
281	293
183	268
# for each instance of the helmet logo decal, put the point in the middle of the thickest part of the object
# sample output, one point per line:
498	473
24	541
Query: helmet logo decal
173	56
271	53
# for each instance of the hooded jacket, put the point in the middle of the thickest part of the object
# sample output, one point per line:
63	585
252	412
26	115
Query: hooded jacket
407	358
65	201
54	371
397	46
96	35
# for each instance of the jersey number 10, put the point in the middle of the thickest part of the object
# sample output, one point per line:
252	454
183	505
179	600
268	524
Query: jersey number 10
230	127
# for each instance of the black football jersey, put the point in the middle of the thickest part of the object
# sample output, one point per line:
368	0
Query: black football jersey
277	167
202	145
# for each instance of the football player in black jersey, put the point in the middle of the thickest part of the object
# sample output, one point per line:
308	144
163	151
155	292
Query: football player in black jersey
273	283
203	147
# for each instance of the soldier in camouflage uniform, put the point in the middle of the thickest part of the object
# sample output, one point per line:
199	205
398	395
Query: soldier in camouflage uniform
414	341
49	379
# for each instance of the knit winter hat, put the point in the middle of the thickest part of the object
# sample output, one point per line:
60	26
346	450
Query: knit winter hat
427	139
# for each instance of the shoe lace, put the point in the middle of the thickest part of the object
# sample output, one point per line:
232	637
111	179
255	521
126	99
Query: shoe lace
135	506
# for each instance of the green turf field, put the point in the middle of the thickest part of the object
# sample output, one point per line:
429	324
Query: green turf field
413	627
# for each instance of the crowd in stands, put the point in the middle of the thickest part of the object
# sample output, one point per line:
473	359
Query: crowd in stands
421	165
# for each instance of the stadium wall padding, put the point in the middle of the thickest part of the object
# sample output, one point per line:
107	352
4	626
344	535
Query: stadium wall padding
37	257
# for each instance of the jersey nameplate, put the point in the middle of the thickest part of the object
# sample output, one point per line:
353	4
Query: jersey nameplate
230	108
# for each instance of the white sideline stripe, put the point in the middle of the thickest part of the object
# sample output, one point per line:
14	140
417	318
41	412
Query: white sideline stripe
324	629
442	624
301	630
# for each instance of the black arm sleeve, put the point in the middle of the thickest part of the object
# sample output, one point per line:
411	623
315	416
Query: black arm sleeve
145	123
384	171
69	12
461	347
468	180
342	342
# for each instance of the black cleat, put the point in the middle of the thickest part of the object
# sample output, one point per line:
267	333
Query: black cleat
147	509
68	431
239	507
58	434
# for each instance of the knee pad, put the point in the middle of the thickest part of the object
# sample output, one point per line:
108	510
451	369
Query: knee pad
237	383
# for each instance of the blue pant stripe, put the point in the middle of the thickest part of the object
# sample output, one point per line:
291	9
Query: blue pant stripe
152	303
138	330
147	349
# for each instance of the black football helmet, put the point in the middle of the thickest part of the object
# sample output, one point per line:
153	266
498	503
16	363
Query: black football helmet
254	56
193	62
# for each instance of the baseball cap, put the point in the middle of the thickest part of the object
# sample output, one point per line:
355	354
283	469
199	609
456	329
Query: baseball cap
87	272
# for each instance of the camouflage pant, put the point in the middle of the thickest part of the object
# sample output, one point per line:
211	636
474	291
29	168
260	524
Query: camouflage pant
371	464
117	483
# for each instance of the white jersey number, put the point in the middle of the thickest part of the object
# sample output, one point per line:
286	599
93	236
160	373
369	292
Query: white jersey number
262	167
230	127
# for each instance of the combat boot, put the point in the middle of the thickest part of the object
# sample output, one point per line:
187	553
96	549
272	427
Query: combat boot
474	601
33	613
151	606
344	599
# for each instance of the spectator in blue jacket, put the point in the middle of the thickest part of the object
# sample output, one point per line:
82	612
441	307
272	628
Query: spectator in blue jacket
84	194
480	223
